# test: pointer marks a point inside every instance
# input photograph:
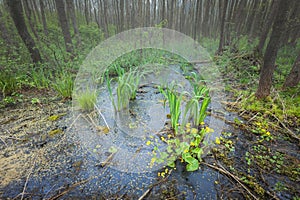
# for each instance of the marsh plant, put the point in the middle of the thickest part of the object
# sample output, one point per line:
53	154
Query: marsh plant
196	107
174	101
188	149
127	85
87	100
189	146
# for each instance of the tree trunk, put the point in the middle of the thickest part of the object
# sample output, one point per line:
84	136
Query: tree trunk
122	14
62	17
28	13
86	11
267	26
104	6
222	32
293	78
71	9
44	17
265	80
16	12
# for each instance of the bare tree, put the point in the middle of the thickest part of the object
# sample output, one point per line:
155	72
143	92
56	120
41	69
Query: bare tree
16	12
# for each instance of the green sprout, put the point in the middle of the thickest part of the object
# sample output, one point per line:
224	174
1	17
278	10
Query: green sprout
87	100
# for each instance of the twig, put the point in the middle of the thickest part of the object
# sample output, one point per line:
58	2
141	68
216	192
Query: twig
73	122
252	117
153	185
27	179
145	194
3	141
69	189
102	116
289	132
107	161
224	171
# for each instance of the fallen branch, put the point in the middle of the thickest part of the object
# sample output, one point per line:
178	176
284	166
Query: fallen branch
224	171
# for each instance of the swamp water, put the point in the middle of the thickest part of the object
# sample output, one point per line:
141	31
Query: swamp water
90	163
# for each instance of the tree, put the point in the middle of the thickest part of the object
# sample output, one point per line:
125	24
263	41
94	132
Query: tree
294	77
16	13
266	74
60	7
266	28
222	34
71	10
43	17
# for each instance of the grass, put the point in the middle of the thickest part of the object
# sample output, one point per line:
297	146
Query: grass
87	100
63	85
9	83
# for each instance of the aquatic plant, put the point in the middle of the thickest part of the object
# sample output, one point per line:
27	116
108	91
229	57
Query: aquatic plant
174	101
197	105
188	149
127	85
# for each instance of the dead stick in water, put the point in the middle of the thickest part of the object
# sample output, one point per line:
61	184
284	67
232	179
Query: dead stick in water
69	189
224	171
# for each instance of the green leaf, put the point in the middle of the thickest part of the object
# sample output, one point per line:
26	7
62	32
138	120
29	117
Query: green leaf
193	165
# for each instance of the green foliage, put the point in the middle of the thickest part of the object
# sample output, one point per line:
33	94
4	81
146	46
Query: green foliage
9	82
197	110
174	101
87	99
127	85
126	89
188	149
63	85
39	78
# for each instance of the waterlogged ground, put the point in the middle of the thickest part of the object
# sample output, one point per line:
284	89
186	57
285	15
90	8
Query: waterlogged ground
41	158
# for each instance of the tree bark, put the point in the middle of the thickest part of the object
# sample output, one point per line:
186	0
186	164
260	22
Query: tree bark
28	13
293	78
44	17
71	9
16	12
122	14
265	80
62	17
222	32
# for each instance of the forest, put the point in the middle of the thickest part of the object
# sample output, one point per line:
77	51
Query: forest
153	99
